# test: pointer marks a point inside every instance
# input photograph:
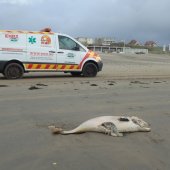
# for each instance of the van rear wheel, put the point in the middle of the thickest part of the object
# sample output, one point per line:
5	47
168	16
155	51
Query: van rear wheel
90	70
13	71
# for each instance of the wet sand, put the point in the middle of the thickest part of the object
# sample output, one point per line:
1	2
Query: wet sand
128	85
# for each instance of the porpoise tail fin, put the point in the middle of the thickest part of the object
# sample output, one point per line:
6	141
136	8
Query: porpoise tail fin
77	130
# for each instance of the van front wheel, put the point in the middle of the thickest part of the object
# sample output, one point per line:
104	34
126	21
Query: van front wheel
13	71
90	70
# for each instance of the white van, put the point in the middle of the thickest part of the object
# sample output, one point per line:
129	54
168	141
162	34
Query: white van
25	51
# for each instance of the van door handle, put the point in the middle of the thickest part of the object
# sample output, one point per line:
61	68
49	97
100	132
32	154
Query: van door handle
60	52
51	51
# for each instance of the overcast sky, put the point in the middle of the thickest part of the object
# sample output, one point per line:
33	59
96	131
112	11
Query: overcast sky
122	19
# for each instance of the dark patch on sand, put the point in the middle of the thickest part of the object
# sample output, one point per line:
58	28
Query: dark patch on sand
34	88
3	86
93	85
138	82
40	84
111	84
145	87
157	82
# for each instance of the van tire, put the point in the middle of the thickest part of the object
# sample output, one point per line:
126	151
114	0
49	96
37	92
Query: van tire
13	71
90	70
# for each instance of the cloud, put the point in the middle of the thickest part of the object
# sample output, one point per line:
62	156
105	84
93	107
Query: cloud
19	2
123	19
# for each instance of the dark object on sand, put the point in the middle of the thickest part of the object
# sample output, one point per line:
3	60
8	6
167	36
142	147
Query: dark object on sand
3	86
39	84
137	82
34	88
93	85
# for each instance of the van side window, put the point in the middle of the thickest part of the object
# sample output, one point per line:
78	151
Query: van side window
66	43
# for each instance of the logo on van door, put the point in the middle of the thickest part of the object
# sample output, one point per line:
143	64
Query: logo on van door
32	40
45	40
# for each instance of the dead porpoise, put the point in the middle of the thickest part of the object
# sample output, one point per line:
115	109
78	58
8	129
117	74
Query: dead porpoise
111	125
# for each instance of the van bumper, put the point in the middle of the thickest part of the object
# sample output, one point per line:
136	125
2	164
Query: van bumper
100	65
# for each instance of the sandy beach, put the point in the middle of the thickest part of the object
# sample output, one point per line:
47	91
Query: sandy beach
128	85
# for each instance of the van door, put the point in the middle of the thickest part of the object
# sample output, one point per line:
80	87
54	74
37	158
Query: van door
41	51
69	51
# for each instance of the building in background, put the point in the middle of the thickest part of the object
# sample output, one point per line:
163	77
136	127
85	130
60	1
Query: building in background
108	41
85	41
151	44
134	43
109	45
96	41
